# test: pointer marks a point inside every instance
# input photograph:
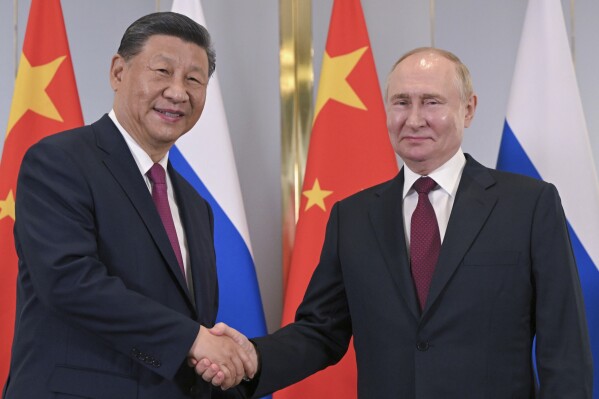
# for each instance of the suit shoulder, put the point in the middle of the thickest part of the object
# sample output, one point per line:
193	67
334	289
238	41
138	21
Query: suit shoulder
68	137
504	180
74	143
518	181
371	192
78	138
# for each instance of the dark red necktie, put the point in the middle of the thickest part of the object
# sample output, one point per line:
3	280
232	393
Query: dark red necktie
425	240
159	195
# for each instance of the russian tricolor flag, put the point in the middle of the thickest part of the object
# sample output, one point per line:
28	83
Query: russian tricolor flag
204	156
545	136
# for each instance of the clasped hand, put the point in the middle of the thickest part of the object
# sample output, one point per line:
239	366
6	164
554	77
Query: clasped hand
223	356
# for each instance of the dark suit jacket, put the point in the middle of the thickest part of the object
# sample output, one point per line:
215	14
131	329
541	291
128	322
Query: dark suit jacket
102	307
506	272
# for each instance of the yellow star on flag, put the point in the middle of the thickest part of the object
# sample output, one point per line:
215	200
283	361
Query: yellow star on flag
333	80
30	91
316	196
7	206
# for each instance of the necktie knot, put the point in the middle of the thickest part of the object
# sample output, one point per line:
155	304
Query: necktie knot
424	185
157	174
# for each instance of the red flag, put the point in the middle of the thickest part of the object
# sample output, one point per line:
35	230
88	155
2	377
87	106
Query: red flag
349	151
45	101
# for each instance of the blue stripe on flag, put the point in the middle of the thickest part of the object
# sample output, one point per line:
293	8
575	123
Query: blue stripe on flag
513	158
240	305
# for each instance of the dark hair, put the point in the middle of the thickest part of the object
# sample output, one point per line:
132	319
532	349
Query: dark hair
170	24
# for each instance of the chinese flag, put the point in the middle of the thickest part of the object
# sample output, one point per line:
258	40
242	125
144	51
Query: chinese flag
349	151
45	101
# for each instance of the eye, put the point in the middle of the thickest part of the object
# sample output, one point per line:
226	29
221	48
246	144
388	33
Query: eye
162	71
400	102
431	101
196	80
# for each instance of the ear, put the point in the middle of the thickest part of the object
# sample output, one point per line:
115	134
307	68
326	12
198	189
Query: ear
470	109
117	66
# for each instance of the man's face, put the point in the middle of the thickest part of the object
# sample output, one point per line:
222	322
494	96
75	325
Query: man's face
425	115
160	92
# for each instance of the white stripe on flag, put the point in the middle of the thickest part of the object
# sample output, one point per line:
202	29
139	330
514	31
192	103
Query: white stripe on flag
207	146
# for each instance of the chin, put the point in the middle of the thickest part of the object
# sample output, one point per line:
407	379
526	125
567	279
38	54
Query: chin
415	155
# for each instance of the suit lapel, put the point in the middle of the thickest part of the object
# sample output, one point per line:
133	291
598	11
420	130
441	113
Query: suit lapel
199	246
471	208
386	215
122	166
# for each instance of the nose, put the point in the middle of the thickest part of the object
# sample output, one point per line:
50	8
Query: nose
176	91
415	118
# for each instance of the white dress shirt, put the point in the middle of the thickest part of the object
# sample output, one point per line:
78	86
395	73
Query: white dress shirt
448	178
144	163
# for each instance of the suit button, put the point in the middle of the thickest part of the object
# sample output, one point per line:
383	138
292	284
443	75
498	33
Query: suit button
422	346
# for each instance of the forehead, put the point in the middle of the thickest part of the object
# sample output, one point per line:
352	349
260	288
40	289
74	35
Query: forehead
426	70
173	47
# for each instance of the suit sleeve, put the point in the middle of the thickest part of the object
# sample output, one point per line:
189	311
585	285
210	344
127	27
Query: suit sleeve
321	333
56	239
563	352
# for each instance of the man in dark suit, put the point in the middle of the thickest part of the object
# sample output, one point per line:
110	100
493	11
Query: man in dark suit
448	312
117	278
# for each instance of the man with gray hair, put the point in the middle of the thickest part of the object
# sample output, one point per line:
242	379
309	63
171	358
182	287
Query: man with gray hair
444	275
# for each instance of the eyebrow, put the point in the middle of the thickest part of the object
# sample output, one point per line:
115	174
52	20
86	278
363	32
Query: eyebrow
406	96
166	58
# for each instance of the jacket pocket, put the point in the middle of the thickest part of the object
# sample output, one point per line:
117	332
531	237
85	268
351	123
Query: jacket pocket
92	384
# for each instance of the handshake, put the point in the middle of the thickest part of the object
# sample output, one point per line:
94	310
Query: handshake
223	356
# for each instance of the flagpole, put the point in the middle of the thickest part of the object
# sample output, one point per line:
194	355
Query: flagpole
431	12
296	84
15	16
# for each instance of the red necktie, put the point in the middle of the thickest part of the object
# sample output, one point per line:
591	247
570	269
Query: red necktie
425	240
159	195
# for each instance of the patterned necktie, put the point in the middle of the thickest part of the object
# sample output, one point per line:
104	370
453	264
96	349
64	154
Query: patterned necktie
159	195
425	240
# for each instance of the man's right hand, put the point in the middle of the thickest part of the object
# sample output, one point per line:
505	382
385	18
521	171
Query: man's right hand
211	372
222	359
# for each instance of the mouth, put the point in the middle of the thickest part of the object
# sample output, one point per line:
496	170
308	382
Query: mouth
415	138
169	113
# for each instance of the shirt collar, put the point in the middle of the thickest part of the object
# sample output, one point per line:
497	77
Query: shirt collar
142	159
447	175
